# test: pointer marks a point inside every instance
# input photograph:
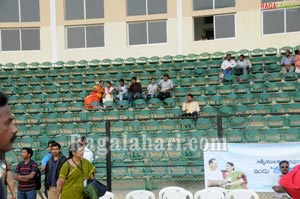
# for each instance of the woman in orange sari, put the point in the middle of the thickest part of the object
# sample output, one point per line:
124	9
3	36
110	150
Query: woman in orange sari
94	96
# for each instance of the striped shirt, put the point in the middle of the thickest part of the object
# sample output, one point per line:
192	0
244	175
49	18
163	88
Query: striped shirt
26	169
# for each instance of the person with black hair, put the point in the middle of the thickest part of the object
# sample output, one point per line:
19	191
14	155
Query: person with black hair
122	90
6	177
151	89
48	156
235	179
52	169
214	177
279	191
74	174
227	65
87	153
166	86
287	62
243	64
135	90
8	131
108	92
24	173
190	107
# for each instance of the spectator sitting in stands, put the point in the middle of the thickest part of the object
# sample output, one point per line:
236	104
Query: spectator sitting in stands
280	192
243	64
297	61
287	62
151	89
227	66
122	90
190	107
108	92
95	96
135	90
166	86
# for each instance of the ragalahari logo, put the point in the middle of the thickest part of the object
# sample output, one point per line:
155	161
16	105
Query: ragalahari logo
277	5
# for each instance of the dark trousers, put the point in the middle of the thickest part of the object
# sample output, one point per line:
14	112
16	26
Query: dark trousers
162	96
190	114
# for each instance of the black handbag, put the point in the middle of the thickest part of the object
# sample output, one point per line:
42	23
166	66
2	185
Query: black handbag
99	187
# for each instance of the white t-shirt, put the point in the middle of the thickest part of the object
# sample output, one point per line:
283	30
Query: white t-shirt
152	88
165	85
227	64
88	154
215	175
276	183
122	89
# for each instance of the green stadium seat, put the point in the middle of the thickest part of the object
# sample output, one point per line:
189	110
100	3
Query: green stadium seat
144	114
247	99
252	135
200	72
283	49
191	57
194	91
213	72
274	77
176	67
271	87
260	109
199	81
152	67
117	127
175	112
154	60
297	47
257	52
69	117
154	103
169	103
217	55
234	136
161	113
215	100
152	125
291	76
52	117
130	61
257	88
276	121
226	110
94	63
208	111
231	99
210	90
264	98
238	122
270	51
256	122
144	60
204	56
189	65
258	68
272	135
257	61
278	108
204	124
233	54
186	124
258	78
271	60
139	104
241	109
283	98
244	52
289	86
291	135
106	63
293	121
214	80
202	64
215	64
185	81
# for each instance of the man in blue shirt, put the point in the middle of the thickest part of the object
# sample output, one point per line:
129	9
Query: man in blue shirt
48	156
288	62
8	131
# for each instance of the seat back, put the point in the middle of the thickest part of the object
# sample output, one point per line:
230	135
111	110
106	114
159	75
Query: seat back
242	194
140	194
211	193
178	194
108	195
166	189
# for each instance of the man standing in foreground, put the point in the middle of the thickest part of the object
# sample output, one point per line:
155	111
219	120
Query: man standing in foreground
8	131
52	169
280	192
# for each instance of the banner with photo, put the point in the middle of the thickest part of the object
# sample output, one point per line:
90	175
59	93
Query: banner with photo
249	166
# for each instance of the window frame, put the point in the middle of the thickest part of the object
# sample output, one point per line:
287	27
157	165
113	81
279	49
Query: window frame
213	6
84	12
85	38
284	21
147	32
20	38
147	9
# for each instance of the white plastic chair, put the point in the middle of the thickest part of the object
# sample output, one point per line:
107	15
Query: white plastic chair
242	194
108	195
166	189
178	194
140	194
209	194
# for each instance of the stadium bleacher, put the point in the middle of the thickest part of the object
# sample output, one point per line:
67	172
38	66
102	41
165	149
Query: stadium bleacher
47	100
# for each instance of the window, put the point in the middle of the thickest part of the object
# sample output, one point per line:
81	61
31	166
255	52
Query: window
214	27
281	21
212	4
269	1
146	7
20	39
149	32
85	36
19	10
84	9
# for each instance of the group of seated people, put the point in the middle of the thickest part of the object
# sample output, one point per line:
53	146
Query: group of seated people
289	63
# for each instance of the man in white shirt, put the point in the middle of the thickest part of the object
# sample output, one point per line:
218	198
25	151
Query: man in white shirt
122	90
166	86
87	153
227	66
280	192
151	89
190	107
243	64
214	177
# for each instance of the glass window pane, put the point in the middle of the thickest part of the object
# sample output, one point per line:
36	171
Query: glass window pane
9	11
202	4
94	9
268	1
224	26
136	7
273	21
30	10
76	37
157	6
74	9
10	40
30	39
157	32
292	20
137	33
95	36
224	3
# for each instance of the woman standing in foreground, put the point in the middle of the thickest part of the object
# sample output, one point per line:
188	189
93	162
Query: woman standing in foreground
74	174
